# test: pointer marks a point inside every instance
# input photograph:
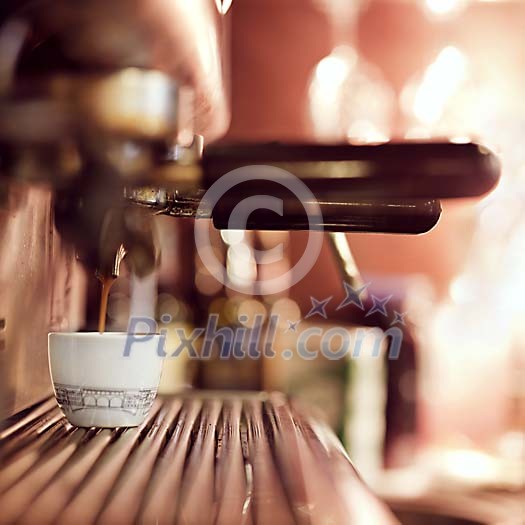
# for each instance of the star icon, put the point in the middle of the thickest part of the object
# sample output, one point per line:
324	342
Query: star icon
399	318
318	307
292	327
353	296
379	305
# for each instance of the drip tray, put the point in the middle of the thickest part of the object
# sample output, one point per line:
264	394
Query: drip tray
199	458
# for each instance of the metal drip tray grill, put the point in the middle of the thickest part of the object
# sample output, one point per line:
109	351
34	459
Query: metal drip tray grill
198	459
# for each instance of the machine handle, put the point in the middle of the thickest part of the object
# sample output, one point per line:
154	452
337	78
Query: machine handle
408	217
343	173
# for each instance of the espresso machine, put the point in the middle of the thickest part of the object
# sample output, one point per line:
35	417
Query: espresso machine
110	115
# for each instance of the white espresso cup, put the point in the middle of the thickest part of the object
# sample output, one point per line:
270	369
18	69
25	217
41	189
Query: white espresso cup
105	380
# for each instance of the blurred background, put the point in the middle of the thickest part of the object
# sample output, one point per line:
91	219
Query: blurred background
449	414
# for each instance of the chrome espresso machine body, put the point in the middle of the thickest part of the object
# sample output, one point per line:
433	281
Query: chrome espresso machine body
94	97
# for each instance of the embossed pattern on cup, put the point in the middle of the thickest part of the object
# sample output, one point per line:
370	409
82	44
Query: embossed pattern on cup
105	380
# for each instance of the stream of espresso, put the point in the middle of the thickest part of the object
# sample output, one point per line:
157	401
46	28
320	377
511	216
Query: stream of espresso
107	283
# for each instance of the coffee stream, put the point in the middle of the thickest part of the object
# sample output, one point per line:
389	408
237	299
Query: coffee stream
107	283
107	278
